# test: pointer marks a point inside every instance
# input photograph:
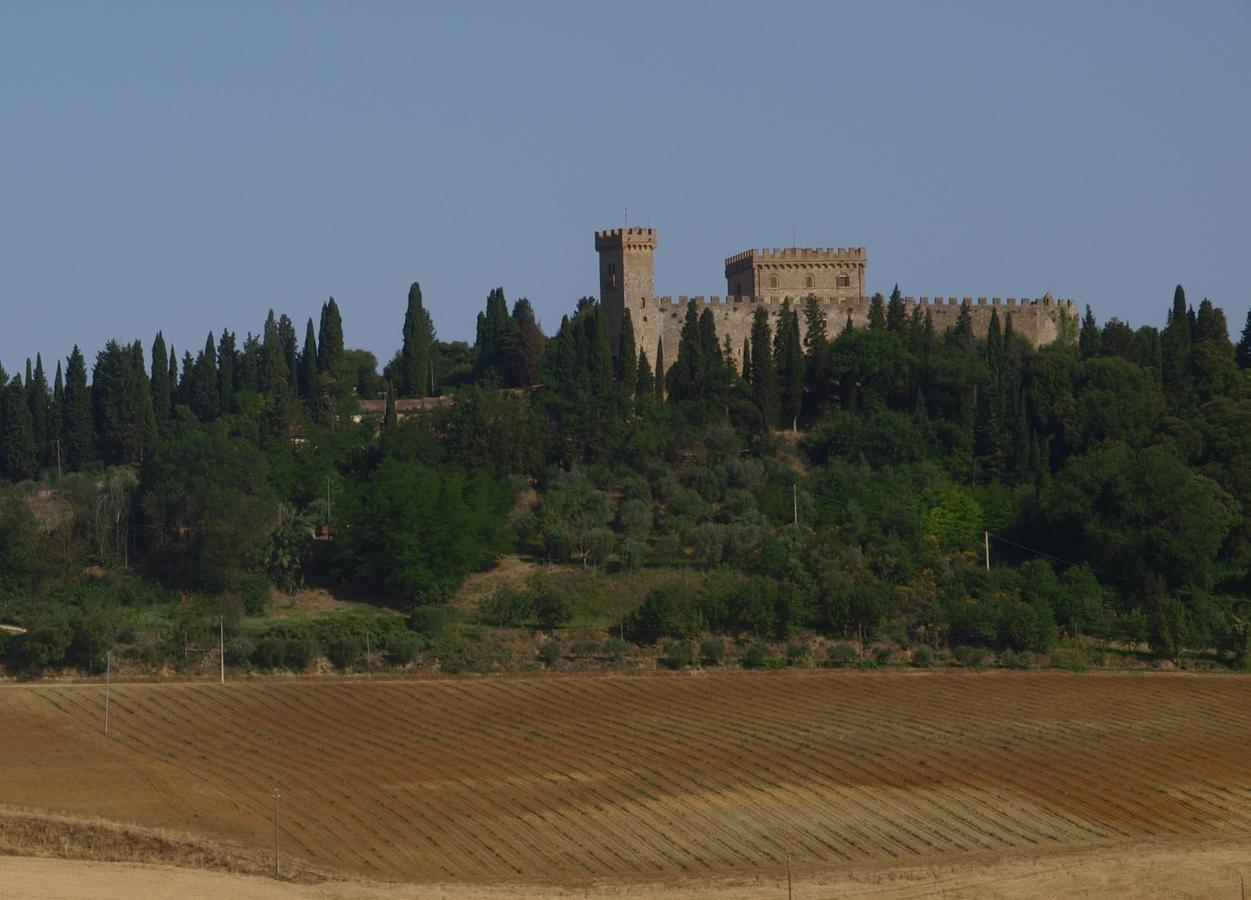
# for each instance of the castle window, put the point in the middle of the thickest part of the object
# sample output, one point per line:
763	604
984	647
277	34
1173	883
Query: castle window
844	281
809	281
773	281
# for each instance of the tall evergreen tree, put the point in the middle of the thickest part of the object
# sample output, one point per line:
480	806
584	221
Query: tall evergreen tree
121	403
896	312
291	350
746	374
18	457
1176	347
203	394
877	313
1089	338
275	380
644	384
662	374
764	382
686	380
789	364
1242	354
77	429
530	344
227	361
38	401
158	383
390	417
329	338
627	364
248	368
55	419
308	364
416	360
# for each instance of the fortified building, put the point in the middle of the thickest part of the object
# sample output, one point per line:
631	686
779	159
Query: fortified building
766	278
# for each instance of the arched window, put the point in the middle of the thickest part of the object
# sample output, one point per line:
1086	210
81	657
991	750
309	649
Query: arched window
773	281
809	281
844	281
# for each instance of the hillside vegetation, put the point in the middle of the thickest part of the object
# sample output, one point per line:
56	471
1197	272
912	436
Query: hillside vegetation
834	495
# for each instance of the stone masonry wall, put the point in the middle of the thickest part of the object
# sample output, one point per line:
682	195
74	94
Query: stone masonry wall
660	318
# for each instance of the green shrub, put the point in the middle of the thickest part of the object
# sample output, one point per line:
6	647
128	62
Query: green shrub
678	654
616	648
923	656
796	653
583	649
712	651
1011	659
255	591
550	609
969	656
506	608
270	652
239	650
883	655
839	655
549	652
758	656
301	652
345	652
431	620
402	648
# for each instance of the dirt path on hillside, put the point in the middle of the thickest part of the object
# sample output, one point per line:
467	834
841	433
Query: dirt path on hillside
1164	869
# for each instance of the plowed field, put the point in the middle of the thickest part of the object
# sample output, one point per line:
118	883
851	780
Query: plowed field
586	779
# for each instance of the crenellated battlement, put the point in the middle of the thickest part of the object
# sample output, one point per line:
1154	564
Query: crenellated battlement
768	279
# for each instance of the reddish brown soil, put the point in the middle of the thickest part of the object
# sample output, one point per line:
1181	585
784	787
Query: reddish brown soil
598	779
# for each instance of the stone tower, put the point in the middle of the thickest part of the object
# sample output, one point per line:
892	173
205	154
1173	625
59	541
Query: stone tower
626	279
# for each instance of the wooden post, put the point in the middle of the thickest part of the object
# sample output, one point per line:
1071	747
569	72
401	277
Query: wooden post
221	645
276	863
108	677
986	538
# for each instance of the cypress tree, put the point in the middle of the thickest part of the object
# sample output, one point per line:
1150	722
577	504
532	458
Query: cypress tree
896	313
329	338
158	383
662	374
37	400
227	361
248	368
530	344
764	384
173	377
203	394
291	351
308	363
627	364
644	383
789	364
1176	348
77	430
687	379
18	457
850	326
1089	338
747	360
877	313
275	380
1242	355
415	354
56	417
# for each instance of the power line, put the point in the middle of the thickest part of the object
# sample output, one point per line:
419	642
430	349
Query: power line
1059	559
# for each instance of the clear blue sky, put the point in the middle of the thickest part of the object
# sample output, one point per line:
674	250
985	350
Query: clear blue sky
188	166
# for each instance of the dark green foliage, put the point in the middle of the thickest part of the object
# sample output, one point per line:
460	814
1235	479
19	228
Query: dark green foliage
77	430
329	339
840	655
417	352
550	652
764	380
712	651
345	652
678	654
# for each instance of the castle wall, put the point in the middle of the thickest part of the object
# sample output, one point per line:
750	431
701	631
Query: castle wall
661	318
831	273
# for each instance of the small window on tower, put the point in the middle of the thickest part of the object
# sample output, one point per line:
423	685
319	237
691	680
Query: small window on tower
773	281
844	281
809	281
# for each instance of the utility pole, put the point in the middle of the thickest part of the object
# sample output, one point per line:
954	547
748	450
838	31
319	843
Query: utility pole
108	677
368	666
986	538
795	503
58	460
788	877
221	644
276	863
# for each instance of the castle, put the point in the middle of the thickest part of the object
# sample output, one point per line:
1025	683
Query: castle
765	278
